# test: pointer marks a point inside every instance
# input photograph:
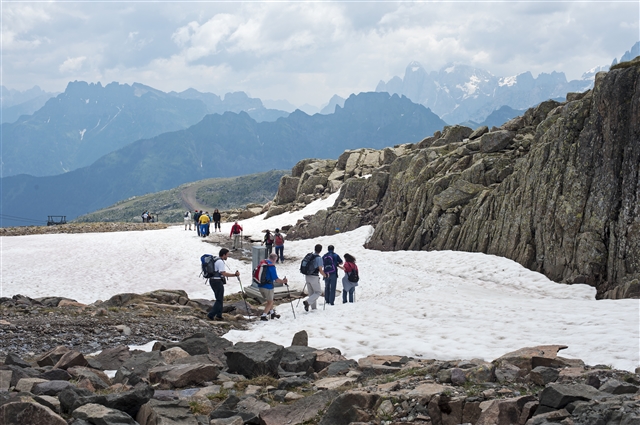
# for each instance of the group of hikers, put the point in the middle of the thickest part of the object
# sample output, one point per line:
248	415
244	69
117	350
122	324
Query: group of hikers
202	221
276	239
147	217
313	266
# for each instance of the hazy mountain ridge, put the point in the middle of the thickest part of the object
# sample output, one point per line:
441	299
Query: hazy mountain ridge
459	93
87	121
218	146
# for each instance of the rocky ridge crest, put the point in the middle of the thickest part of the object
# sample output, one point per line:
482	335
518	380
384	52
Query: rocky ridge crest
556	189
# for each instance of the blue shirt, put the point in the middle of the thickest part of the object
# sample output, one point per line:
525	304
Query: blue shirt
272	275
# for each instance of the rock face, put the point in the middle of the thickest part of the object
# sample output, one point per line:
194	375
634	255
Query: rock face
556	190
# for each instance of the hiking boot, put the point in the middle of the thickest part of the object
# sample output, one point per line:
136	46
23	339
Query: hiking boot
306	305
274	315
264	318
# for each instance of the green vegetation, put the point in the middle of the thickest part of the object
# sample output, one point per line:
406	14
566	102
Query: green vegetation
259	381
169	205
628	64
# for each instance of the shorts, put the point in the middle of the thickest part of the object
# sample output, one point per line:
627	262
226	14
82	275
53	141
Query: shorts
267	294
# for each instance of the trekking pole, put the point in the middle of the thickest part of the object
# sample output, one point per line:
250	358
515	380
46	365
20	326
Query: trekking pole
303	289
246	306
290	301
241	239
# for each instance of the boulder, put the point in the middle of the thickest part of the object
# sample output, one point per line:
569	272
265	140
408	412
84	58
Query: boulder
300	338
50	388
557	396
495	141
98	414
253	359
137	367
298	358
28	413
113	357
156	412
542	375
27	384
352	406
180	376
613	386
504	412
16	360
298	412
71	359
52	356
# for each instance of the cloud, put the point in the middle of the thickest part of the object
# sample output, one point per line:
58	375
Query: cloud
72	64
303	52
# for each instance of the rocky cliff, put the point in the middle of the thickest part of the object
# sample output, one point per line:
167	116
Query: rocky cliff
556	190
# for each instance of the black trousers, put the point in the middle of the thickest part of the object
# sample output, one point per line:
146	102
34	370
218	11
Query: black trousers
218	292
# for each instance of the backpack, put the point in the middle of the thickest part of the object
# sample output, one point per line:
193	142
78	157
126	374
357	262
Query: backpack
268	239
260	273
186	215
328	263
353	276
279	240
308	264
208	262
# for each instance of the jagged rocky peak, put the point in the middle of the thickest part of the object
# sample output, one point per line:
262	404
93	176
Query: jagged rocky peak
554	189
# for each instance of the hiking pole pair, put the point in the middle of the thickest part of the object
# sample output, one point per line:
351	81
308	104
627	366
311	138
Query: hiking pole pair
246	306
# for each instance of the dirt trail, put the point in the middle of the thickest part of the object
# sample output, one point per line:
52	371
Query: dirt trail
188	195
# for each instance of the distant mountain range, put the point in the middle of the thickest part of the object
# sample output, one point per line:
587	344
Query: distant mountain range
461	93
16	103
87	121
226	145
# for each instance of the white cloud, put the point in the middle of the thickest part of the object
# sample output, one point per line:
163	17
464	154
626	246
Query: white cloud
304	52
72	64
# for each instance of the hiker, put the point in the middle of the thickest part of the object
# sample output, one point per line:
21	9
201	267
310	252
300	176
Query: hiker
279	243
268	241
236	230
350	278
312	281
331	262
187	220
266	290
204	224
196	220
216	220
217	284
145	217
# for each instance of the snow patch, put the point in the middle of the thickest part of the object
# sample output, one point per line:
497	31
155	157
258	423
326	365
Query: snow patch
82	133
507	81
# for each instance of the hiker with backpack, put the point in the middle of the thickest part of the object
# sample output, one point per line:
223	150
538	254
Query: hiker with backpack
236	231
268	241
187	220
279	243
350	278
265	276
311	267
216	220
331	262
217	282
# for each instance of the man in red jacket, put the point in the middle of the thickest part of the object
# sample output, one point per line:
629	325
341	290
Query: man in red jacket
236	231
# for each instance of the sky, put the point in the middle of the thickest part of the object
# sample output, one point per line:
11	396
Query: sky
303	52
442	304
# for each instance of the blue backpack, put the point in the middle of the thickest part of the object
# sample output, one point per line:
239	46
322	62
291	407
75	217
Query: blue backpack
208	267
328	263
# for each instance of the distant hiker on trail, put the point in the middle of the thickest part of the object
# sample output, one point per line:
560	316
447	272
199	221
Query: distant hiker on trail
268	241
196	220
217	284
187	220
279	243
267	289
350	278
236	230
312	281
204	224
331	262
145	217
216	220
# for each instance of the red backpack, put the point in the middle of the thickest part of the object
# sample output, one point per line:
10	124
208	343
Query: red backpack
260	273
279	240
